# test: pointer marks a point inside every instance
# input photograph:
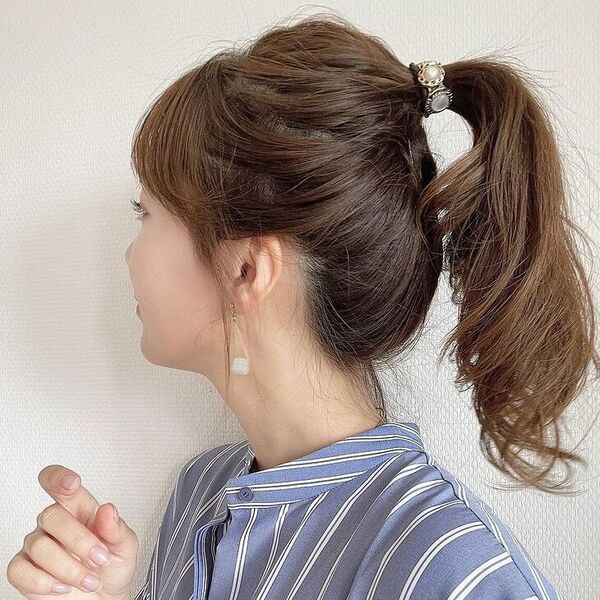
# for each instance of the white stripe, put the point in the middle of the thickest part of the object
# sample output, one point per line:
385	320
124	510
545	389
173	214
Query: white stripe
186	567
415	490
461	591
241	556
431	510
275	543
494	527
431	553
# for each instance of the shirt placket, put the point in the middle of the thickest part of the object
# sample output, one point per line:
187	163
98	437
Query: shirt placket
202	550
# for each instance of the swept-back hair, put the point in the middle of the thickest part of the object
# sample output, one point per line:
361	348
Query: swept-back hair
314	132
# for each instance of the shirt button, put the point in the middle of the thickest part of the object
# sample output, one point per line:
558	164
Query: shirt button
246	493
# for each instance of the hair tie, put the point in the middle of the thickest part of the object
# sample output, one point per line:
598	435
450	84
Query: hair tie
430	74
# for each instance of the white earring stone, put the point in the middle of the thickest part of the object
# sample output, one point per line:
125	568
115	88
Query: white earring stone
240	365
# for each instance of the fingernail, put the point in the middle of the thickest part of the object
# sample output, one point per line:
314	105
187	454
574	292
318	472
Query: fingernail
67	481
61	588
90	582
99	555
115	513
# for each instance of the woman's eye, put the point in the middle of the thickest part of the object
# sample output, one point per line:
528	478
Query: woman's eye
139	209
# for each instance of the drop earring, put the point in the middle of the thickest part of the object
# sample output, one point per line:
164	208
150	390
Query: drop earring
240	364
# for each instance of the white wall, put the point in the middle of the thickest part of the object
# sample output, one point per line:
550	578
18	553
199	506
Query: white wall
74	387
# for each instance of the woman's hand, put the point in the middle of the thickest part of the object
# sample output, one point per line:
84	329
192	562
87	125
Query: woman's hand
60	549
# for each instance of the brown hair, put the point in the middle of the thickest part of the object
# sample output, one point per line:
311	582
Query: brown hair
314	132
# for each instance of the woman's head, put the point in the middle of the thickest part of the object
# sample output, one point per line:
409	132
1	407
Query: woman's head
293	178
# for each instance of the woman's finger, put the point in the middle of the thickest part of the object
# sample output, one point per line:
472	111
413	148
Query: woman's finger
57	521
76	498
47	554
27	578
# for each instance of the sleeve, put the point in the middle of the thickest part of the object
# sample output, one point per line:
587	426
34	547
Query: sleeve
162	536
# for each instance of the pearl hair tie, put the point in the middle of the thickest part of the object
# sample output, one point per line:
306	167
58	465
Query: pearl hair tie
430	74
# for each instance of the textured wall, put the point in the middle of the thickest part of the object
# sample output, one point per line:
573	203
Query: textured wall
75	389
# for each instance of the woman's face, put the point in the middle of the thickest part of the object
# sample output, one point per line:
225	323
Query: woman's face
176	297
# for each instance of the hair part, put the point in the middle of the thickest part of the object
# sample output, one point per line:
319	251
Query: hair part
313	132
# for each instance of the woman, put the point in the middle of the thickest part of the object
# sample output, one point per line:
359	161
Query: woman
290	194
294	231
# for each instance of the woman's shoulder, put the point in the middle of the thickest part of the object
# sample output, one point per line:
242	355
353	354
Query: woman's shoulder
213	467
201	478
215	458
440	536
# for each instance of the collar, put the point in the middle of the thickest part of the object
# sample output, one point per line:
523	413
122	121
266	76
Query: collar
322	469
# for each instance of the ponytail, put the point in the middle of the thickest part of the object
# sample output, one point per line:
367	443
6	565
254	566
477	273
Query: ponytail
526	329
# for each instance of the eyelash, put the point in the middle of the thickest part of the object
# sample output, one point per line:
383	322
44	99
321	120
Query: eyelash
139	209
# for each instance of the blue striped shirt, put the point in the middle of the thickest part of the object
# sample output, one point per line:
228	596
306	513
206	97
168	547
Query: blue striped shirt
368	517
